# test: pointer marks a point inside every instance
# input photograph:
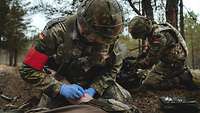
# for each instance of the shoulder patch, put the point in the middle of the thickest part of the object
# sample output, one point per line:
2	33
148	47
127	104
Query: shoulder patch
158	38
155	39
42	36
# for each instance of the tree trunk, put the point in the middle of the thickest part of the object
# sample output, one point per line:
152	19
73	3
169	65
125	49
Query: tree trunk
11	49
182	19
10	57
133	7
171	12
15	57
147	9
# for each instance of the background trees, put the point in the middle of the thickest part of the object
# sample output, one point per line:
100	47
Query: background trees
192	34
12	28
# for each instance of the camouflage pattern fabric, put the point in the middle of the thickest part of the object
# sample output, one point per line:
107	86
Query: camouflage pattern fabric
140	27
75	60
163	77
97	10
168	52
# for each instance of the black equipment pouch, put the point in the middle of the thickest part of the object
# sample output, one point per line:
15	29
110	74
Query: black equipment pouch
179	104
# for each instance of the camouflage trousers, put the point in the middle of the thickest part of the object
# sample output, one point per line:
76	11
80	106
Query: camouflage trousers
166	76
115	99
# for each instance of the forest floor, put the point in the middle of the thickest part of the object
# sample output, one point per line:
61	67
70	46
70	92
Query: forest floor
13	86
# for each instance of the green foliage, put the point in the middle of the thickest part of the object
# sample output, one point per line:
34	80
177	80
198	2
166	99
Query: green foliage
192	33
4	10
12	27
53	8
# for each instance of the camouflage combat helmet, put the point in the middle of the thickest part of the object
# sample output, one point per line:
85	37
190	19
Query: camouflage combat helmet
102	17
140	27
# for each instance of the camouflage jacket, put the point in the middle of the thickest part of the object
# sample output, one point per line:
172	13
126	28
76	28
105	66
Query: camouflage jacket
166	45
61	48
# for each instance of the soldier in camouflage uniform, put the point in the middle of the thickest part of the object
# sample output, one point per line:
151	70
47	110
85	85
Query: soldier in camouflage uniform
82	49
167	50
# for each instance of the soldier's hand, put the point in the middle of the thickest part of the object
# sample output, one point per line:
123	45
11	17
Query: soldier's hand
71	91
90	91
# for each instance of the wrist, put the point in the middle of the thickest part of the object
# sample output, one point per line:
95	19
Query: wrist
61	89
53	90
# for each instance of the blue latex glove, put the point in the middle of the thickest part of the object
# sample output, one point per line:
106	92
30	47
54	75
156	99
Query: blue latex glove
90	91
71	91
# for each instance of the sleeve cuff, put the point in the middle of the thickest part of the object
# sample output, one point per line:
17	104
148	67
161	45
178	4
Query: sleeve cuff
100	85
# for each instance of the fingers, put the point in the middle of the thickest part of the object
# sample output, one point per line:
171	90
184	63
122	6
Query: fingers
78	94
79	88
79	91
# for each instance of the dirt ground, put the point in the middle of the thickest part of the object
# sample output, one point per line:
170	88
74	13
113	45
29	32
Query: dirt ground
148	102
13	90
13	86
